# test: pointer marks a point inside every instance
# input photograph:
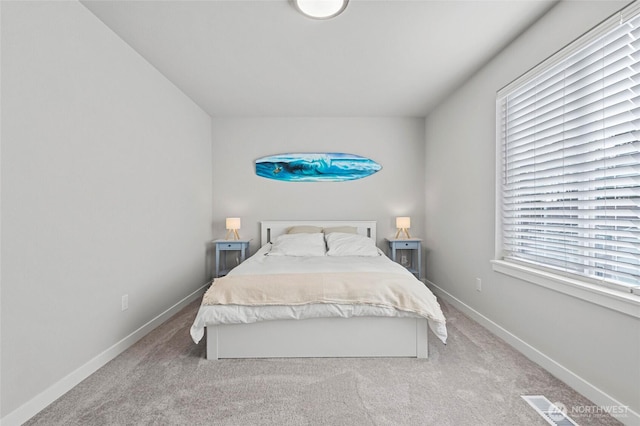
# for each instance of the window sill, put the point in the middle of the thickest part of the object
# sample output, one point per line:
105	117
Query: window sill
628	304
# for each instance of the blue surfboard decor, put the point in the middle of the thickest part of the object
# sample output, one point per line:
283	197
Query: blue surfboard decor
315	167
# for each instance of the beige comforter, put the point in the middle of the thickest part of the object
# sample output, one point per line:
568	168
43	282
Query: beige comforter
394	290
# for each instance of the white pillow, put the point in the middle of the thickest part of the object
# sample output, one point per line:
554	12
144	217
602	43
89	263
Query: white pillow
343	244
299	245
304	230
343	229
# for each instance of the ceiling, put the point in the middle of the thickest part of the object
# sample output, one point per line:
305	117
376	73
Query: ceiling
264	58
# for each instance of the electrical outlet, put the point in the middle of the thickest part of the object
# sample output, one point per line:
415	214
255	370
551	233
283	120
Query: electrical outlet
478	284
125	302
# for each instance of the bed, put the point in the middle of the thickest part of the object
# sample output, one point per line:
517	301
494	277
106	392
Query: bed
260	309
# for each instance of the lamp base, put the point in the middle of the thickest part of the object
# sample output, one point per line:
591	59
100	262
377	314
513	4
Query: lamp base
402	231
233	233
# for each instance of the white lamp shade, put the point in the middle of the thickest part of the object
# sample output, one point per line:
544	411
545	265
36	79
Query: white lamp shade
233	223
403	222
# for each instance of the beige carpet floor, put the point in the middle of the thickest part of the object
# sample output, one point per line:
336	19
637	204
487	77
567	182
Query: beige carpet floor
476	379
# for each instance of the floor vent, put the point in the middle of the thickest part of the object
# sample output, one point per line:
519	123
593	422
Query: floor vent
553	413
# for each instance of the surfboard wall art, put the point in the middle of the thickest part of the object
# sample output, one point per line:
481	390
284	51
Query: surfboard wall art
315	167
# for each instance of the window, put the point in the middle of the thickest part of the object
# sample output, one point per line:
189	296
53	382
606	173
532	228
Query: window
569	160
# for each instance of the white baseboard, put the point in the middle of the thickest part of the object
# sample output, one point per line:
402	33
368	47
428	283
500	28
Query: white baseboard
593	393
42	400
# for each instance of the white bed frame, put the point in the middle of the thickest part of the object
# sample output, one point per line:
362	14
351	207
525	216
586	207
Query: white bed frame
319	337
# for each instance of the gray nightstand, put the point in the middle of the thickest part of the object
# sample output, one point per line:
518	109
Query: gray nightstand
229	245
408	253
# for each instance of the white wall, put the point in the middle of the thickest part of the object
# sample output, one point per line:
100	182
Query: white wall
396	143
596	344
106	190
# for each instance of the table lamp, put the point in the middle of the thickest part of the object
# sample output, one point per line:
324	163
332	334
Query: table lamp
233	224
403	224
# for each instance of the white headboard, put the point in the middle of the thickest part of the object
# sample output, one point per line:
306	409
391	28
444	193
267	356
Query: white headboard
270	229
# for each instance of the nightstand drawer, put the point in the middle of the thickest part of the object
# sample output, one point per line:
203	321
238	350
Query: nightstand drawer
231	246
409	245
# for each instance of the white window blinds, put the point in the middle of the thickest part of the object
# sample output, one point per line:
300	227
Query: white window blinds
570	172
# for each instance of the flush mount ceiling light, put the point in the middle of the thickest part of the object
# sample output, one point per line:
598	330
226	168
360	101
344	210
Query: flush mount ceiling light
321	9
